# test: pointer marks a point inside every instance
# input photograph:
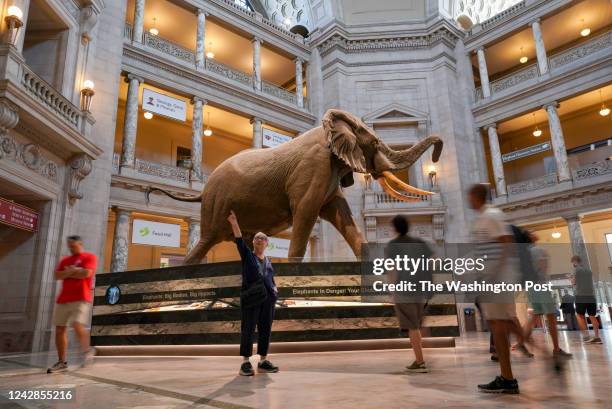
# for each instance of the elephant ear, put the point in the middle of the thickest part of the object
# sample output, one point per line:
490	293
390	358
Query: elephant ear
340	128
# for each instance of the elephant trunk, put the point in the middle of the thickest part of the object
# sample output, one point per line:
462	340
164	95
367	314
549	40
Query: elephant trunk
402	159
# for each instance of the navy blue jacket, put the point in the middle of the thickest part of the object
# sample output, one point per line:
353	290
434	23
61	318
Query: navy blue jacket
250	269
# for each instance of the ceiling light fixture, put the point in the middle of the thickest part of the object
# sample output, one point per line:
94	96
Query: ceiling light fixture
555	234
148	115
523	58
536	131
208	131
585	30
210	53
154	31
604	110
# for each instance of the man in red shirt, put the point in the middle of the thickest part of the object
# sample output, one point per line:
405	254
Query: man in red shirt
74	302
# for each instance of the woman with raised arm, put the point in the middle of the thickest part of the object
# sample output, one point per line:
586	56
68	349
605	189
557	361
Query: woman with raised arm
257	299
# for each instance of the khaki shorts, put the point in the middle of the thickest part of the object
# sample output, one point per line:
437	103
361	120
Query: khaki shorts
499	311
410	315
67	313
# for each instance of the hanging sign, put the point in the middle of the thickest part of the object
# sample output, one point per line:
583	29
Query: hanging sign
156	234
528	151
164	105
272	138
16	215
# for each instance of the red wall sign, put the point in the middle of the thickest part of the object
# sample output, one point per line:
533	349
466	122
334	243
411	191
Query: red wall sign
18	216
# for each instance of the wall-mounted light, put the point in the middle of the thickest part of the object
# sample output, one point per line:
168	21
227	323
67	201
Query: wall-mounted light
432	175
208	131
148	115
153	30
210	54
604	110
523	58
14	22
585	30
86	95
536	131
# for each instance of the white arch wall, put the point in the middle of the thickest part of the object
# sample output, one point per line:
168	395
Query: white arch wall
481	10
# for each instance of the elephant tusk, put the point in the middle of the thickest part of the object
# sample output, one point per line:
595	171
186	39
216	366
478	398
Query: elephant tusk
395	194
406	187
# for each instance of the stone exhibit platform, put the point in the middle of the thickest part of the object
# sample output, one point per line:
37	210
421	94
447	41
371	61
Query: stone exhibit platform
199	306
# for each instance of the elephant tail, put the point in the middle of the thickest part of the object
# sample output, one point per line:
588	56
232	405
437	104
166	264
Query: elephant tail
150	189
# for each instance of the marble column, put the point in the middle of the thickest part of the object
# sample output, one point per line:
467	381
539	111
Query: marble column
299	88
121	240
484	73
138	28
130	122
200	39
482	174
557	141
193	235
196	139
576	238
256	64
496	159
24	5
540	48
257	132
419	170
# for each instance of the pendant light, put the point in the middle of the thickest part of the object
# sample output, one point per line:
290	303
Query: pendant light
536	131
523	58
210	54
208	131
585	30
153	30
148	115
604	110
556	233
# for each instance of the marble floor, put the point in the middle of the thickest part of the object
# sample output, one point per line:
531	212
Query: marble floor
371	379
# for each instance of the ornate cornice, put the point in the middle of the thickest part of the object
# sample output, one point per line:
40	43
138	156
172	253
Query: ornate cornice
341	41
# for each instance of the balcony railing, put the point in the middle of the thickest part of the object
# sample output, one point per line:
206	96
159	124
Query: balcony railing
579	174
592	170
157	170
278	92
228	72
376	198
533	184
188	56
555	61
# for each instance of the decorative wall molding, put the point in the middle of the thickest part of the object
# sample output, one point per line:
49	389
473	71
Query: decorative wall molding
9	116
580	51
80	167
592	170
340	41
28	155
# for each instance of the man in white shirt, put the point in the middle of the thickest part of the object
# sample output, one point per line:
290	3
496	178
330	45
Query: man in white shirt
492	237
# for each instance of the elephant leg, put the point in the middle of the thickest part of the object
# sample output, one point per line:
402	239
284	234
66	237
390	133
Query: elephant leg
303	222
338	213
198	252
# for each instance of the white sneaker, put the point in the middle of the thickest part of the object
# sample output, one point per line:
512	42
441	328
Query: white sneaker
594	340
87	358
59	366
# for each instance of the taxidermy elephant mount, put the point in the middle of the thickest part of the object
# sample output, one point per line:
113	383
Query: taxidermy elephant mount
293	184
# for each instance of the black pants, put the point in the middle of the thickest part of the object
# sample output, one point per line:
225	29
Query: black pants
262	317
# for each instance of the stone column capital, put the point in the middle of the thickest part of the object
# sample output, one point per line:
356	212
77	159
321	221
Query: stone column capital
192	220
200	11
489	126
129	77
480	49
196	99
571	218
257	40
256	119
121	211
298	60
553	104
535	21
